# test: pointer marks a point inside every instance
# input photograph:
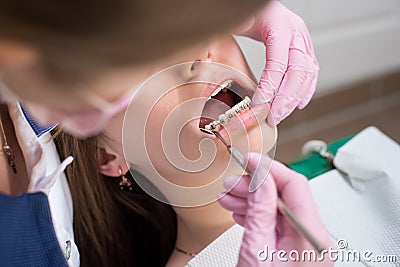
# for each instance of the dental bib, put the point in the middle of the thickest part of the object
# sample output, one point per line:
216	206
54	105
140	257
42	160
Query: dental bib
222	252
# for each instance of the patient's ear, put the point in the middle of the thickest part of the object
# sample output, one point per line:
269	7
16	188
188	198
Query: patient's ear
108	163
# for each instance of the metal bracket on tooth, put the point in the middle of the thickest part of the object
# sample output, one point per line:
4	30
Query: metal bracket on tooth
223	119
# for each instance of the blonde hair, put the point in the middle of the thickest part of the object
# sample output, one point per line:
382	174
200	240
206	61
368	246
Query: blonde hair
89	36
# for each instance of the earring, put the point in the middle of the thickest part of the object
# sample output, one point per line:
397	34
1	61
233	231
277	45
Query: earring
124	183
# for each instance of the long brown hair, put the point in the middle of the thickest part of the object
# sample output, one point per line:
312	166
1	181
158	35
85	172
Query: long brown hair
84	37
114	227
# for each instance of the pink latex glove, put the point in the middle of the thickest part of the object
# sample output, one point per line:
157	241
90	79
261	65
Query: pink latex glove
291	68
258	213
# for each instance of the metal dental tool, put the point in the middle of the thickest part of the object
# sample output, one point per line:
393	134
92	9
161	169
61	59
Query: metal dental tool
283	208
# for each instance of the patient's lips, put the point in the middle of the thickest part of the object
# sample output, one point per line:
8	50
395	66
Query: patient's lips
224	104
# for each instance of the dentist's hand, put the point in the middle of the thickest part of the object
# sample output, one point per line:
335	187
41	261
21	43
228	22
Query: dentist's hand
291	68
258	213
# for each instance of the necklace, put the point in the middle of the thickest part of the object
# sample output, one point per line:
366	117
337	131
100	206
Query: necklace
6	149
186	252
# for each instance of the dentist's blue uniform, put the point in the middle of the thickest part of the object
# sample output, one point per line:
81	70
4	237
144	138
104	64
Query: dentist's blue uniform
27	236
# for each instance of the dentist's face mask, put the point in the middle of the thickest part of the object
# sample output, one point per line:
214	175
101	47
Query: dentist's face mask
81	122
81	109
87	122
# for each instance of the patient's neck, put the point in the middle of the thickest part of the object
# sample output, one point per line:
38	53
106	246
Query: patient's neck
199	226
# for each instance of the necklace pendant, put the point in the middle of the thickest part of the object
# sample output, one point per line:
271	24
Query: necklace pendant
11	158
7	149
11	161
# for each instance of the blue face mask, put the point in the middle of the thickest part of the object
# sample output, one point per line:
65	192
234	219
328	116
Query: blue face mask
27	236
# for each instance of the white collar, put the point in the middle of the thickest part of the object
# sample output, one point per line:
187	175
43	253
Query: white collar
41	177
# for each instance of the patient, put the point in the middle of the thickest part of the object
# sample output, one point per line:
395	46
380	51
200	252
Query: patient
198	219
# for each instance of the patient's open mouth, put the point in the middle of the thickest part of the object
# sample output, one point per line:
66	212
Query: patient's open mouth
226	102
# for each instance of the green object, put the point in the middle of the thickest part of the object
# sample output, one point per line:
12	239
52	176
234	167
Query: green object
314	164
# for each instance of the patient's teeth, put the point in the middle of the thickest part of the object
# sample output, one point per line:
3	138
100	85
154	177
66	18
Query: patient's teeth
230	114
242	106
227	84
215	126
223	119
208	126
224	87
236	109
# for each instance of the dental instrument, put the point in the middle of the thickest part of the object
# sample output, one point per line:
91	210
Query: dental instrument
283	208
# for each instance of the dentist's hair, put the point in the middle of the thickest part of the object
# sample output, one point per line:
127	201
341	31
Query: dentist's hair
92	36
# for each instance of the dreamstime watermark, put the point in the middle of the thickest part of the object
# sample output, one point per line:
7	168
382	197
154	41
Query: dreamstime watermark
341	254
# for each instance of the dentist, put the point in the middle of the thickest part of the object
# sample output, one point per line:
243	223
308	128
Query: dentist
76	63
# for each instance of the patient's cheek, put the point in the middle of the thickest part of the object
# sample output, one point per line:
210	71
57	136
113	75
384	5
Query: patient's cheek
263	139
